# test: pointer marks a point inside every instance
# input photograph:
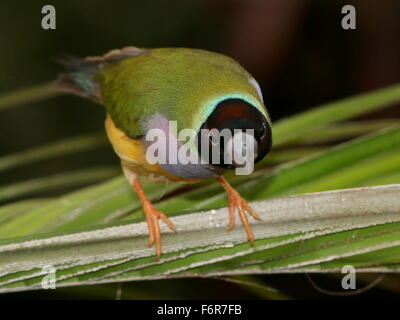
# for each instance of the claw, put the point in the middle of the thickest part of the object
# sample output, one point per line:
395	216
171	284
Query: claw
152	218
231	217
235	201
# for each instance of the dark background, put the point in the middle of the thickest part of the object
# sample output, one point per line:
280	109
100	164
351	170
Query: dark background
296	49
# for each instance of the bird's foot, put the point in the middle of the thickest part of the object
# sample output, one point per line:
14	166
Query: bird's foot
152	218
235	201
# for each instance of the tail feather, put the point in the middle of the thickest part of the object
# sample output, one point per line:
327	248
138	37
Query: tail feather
78	78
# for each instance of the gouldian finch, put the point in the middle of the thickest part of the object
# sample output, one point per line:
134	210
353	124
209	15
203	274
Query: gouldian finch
147	90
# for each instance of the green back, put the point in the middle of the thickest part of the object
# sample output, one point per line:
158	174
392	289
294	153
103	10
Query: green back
181	84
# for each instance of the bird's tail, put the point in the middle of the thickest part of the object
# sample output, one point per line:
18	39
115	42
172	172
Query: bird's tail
78	78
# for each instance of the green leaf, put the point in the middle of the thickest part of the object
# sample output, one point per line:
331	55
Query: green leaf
295	231
94	204
27	95
297	125
52	150
62	180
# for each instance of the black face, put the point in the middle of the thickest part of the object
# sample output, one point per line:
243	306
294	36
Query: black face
237	114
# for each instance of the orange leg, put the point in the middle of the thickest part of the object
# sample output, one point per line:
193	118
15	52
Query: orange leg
152	217
235	201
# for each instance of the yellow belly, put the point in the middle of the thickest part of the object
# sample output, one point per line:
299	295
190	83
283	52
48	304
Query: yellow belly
133	155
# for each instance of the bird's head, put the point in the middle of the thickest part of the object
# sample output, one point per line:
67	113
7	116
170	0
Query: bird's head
235	132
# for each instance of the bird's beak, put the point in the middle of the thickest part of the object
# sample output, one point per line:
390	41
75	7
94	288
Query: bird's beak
243	146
